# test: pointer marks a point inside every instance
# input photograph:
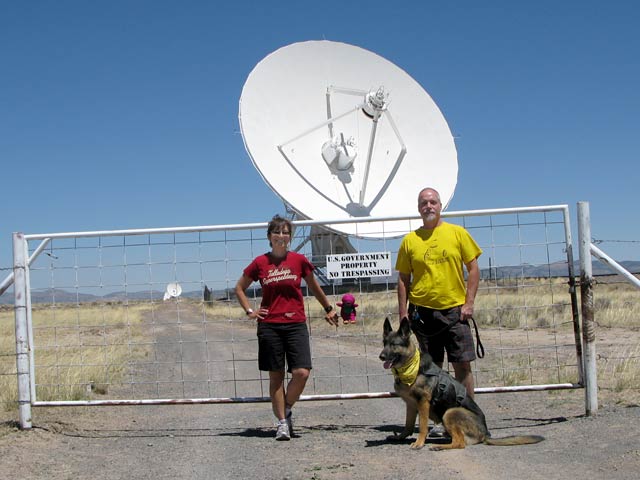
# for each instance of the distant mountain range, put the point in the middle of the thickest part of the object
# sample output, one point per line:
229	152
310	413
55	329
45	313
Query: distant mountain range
558	269
63	296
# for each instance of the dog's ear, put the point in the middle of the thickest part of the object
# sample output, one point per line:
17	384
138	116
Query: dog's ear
405	327
387	327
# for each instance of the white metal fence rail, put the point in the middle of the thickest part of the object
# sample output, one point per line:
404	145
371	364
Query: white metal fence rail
92	326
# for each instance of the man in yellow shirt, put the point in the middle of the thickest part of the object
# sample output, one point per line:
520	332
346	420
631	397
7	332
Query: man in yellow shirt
431	287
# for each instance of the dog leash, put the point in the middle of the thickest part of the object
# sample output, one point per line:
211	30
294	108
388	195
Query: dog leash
479	346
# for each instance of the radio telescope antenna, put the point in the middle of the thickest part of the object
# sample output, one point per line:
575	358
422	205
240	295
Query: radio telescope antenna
173	290
339	132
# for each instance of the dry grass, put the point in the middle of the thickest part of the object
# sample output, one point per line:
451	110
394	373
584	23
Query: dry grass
95	341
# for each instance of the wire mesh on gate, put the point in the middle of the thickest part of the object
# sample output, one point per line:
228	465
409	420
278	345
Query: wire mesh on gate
104	328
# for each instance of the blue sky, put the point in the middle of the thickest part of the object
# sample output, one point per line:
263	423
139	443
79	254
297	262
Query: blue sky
124	114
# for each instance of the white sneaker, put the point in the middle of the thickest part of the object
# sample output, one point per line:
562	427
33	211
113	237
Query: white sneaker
438	431
283	431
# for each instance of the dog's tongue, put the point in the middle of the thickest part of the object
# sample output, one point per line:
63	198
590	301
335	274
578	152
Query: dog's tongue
387	364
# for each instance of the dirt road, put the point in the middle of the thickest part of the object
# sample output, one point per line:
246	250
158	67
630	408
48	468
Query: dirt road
333	440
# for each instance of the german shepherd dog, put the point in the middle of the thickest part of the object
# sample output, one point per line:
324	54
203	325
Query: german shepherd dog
432	393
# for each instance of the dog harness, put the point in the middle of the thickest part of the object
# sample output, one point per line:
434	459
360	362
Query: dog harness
408	373
449	391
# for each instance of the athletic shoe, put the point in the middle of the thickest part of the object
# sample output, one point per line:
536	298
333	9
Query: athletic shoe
438	431
283	431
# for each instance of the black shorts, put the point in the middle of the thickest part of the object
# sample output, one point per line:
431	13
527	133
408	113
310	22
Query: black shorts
438	331
280	341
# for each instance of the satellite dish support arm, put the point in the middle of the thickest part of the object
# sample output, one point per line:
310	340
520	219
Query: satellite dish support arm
396	166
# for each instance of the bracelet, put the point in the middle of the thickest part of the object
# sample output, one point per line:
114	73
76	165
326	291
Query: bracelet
328	309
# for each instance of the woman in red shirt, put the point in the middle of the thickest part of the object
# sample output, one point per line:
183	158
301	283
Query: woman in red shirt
282	327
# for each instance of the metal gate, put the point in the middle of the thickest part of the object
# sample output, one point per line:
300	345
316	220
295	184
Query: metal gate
100	321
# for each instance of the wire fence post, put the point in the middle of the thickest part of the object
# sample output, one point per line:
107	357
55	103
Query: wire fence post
22	337
586	296
575	311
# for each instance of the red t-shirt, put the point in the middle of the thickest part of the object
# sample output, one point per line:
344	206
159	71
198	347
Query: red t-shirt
280	280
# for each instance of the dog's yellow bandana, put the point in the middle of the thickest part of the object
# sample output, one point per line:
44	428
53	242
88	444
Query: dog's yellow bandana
409	371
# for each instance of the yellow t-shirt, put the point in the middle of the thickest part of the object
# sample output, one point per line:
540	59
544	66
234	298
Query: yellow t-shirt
434	258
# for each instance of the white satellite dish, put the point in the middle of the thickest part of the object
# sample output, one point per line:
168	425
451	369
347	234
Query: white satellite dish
339	132
173	290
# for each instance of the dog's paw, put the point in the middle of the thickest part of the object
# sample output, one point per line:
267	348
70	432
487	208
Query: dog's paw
416	445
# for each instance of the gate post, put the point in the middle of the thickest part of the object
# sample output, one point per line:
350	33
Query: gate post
22	337
586	297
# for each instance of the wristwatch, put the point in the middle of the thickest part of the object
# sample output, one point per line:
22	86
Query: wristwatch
328	309
249	311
